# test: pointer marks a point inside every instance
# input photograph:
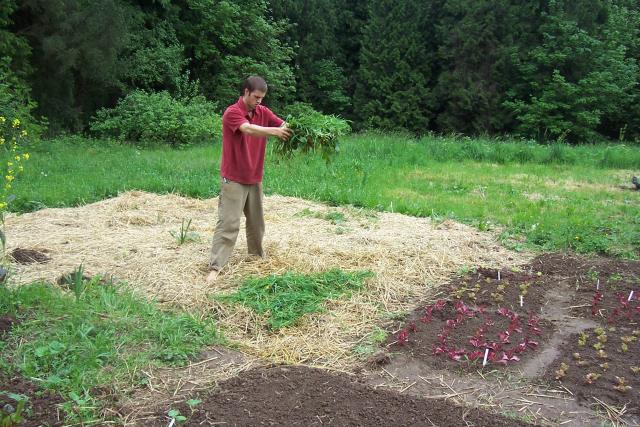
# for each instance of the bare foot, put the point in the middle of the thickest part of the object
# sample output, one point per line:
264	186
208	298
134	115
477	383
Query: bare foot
212	277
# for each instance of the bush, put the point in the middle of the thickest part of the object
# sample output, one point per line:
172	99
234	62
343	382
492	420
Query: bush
151	118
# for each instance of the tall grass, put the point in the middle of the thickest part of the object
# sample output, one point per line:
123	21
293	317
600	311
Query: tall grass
547	197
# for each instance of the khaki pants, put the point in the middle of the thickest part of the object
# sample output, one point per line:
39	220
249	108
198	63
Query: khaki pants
235	199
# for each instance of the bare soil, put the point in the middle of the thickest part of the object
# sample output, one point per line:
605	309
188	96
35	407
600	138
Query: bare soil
298	395
29	256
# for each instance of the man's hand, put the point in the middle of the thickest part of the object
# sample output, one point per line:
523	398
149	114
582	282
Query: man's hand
282	132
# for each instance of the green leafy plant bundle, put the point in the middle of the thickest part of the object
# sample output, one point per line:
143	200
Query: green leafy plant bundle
313	131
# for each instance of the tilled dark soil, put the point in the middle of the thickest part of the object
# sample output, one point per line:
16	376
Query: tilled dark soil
302	396
29	256
601	362
41	408
484	311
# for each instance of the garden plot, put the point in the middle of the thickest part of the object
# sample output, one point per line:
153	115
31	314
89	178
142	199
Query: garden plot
553	341
134	237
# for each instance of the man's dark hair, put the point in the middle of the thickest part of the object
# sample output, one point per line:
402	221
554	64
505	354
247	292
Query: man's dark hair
254	83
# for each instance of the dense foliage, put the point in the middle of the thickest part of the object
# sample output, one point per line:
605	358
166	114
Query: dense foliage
149	118
553	70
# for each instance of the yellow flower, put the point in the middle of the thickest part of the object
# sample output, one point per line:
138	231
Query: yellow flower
26	156
2	120
18	158
7	186
20	168
15	123
3	205
23	133
9	164
1	140
9	177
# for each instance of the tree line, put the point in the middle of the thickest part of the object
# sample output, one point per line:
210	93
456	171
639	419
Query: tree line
549	70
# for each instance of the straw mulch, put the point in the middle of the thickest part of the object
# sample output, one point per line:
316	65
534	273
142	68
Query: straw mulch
128	237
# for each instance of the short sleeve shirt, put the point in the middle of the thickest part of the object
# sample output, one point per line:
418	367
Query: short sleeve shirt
242	154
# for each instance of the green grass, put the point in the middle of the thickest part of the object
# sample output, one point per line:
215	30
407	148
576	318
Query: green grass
93	342
543	197
288	297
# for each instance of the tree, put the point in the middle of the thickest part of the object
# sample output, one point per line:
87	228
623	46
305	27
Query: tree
76	45
575	77
396	67
476	41
228	41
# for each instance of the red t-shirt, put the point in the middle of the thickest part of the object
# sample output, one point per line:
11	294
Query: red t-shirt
242	154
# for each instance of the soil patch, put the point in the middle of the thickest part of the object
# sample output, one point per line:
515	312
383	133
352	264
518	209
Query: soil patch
29	256
6	323
41	409
586	353
489	312
305	396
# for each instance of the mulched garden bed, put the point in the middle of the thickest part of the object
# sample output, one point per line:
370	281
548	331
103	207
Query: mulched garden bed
482	314
299	395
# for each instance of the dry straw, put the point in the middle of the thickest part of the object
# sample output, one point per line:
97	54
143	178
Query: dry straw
128	237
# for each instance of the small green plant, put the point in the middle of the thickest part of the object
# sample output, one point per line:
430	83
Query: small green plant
12	416
184	235
175	414
192	403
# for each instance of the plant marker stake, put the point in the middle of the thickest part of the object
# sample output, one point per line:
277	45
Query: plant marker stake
521	300
173	420
498	275
630	296
486	354
598	285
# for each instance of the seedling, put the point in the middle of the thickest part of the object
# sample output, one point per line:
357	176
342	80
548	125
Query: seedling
576	356
591	377
635	369
582	339
560	373
184	235
176	417
10	416
192	403
622	386
602	354
604	366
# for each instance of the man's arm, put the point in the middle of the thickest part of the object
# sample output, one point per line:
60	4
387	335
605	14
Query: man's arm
282	132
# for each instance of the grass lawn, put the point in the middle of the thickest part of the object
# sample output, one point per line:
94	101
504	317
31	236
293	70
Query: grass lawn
545	197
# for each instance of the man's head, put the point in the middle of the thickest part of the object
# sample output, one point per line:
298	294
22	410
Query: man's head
254	90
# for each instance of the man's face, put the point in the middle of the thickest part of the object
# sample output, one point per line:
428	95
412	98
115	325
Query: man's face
251	99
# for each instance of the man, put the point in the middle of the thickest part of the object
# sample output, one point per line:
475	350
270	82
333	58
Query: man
245	128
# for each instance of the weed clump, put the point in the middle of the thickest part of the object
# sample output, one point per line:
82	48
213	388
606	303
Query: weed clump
289	296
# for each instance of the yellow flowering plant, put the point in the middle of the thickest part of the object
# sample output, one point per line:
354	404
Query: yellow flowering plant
13	155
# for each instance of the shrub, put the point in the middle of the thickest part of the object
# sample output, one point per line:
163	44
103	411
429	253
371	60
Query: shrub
151	118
